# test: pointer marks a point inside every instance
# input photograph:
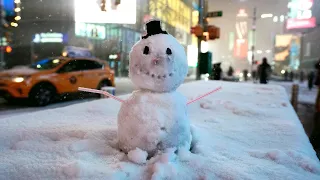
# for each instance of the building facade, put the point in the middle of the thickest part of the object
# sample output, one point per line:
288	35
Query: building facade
55	21
310	45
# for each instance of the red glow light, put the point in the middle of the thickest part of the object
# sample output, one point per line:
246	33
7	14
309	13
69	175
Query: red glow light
301	23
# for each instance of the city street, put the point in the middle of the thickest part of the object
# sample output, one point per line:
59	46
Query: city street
123	86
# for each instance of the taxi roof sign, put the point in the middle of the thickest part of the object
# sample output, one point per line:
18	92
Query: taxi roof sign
72	51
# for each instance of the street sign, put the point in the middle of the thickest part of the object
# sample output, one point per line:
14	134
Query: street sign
215	14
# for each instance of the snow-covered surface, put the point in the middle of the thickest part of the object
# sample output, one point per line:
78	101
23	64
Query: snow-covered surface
305	95
244	131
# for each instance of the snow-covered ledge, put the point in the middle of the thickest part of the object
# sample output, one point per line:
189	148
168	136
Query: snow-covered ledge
243	131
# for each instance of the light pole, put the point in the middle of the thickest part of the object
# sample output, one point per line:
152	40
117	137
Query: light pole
200	22
254	27
1	35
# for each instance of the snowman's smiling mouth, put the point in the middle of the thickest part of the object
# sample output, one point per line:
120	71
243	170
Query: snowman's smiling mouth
154	75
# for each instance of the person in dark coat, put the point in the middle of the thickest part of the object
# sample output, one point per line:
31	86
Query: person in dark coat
230	71
245	74
264	71
310	80
286	75
291	76
216	71
301	76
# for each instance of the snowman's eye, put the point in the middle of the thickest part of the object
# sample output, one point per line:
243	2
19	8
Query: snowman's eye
146	50
168	51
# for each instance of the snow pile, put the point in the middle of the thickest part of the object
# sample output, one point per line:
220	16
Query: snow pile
244	131
138	156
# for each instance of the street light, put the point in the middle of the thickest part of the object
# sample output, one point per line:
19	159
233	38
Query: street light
275	19
281	18
266	16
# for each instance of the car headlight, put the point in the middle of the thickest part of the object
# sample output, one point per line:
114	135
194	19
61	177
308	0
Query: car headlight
19	79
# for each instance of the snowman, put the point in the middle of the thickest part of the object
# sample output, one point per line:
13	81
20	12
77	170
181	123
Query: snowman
155	117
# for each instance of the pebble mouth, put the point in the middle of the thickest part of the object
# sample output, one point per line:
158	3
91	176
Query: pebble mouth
160	76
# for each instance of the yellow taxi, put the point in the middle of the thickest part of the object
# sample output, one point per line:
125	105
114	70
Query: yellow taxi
43	81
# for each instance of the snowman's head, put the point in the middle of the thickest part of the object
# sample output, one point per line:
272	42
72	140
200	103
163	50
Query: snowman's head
157	62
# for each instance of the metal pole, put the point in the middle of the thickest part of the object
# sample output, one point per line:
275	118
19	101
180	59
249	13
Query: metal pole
200	22
294	96
1	36
31	52
254	26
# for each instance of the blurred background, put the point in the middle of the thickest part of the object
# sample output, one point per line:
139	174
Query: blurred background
36	29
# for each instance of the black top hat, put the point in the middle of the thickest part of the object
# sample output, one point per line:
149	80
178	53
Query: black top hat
153	28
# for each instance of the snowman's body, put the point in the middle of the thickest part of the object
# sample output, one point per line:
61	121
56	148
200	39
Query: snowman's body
154	121
155	117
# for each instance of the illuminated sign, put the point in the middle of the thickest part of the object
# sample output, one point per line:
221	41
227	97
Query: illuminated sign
49	38
90	30
241	43
8	6
300	14
89	11
72	51
287	50
192	55
242	13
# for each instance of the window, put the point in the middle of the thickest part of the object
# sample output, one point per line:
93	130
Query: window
70	67
46	64
89	65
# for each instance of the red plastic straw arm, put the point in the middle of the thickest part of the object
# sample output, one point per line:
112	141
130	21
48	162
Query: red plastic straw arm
202	96
100	92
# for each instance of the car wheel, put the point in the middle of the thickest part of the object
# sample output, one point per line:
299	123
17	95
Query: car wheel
42	95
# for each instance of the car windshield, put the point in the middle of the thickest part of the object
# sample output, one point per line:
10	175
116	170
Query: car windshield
47	64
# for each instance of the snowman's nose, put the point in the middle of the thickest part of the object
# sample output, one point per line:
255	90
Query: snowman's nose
156	61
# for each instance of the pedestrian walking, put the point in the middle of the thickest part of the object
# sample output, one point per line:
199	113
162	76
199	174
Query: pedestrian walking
264	71
310	80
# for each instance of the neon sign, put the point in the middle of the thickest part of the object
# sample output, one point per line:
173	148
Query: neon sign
49	38
300	14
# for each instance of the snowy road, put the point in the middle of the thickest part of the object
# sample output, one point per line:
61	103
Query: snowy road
124	86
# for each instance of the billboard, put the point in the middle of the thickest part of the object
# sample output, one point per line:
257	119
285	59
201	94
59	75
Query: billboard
300	14
240	50
287	50
92	31
89	11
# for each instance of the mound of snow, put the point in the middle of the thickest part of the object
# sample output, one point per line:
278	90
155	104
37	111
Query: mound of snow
138	156
244	131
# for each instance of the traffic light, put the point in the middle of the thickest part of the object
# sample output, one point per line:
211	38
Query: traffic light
8	36
103	5
8	49
214	32
197	30
117	2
